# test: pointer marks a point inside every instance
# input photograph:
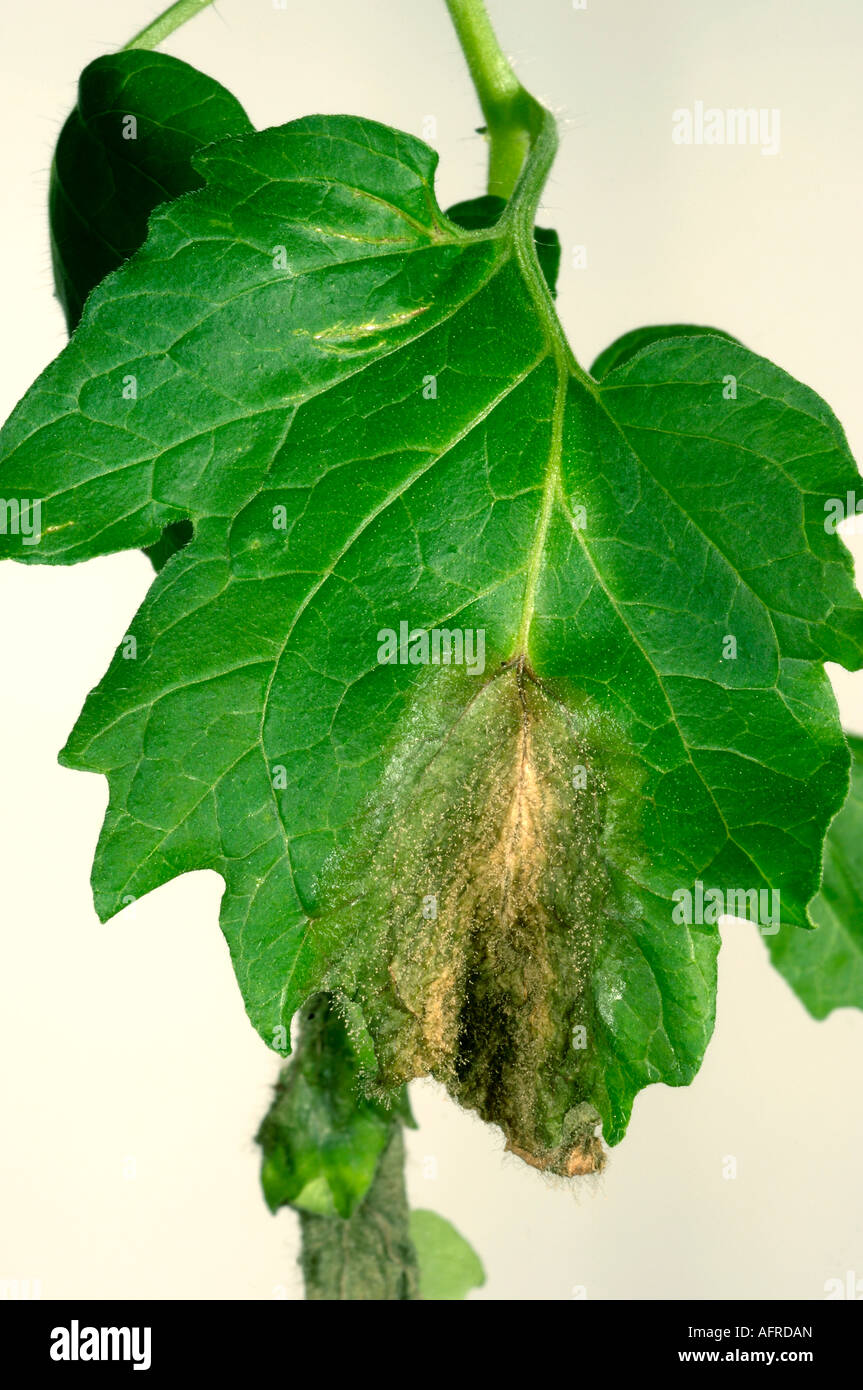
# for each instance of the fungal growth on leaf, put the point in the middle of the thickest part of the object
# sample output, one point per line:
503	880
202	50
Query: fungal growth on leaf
478	895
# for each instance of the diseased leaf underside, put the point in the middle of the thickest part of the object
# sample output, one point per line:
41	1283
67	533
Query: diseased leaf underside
283	326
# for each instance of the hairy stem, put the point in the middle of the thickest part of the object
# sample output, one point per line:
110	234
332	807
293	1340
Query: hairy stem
371	1256
171	19
513	117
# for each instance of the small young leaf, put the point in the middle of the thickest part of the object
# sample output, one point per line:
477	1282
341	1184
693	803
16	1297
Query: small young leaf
322	1138
126	148
825	967
448	1266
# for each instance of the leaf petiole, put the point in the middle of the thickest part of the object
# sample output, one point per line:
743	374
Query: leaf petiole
172	18
514	119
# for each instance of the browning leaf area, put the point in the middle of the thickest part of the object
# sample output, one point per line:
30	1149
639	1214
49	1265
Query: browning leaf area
478	897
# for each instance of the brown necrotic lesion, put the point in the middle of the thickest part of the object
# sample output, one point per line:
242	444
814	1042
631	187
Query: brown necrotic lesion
495	813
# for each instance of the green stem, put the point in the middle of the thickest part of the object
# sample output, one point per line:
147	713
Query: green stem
171	19
513	117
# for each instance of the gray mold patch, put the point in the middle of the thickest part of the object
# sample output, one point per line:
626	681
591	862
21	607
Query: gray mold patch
475	896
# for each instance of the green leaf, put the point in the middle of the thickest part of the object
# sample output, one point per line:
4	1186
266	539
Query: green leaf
825	967
322	1138
628	344
370	1257
126	148
371	417
448	1266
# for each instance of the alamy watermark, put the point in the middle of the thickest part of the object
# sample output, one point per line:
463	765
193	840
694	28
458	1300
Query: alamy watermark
741	125
848	508
850	1287
704	906
77	1343
438	646
21	516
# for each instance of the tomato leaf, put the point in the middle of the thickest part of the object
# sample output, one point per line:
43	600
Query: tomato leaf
628	344
373	422
825	967
448	1266
126	148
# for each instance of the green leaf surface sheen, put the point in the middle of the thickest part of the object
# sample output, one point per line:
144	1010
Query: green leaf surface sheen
370	416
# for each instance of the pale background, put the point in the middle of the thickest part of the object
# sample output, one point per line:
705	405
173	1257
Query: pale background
129	1041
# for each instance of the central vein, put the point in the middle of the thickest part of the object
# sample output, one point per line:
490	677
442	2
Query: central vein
518	221
552	477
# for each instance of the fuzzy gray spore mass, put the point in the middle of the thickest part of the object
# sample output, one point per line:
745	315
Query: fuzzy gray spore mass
476	896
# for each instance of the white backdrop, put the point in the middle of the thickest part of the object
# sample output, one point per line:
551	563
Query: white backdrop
131	1082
